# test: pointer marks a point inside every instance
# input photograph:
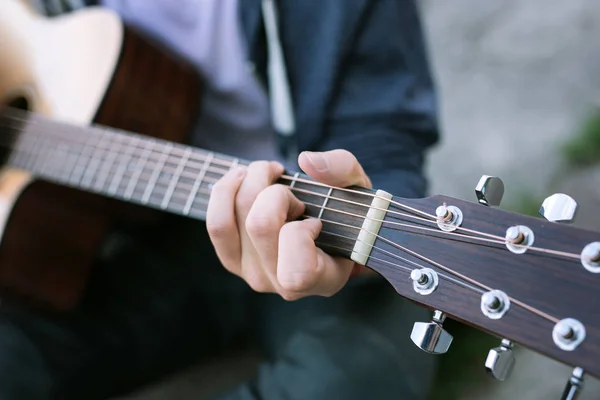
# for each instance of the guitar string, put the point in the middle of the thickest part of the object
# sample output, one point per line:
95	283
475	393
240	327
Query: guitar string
499	239
391	212
555	252
202	159
448	269
409	216
285	177
394	255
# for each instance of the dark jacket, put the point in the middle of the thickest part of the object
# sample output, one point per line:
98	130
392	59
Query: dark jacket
360	81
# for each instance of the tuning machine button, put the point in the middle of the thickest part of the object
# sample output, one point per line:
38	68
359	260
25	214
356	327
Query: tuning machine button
574	385
430	336
501	360
559	208
489	190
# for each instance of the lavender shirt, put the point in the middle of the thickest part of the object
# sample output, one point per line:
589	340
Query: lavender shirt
235	117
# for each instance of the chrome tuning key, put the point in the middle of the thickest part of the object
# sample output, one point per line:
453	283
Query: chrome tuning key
574	385
430	336
501	360
559	208
489	190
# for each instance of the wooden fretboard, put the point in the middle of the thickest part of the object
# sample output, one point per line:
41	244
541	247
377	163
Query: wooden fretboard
155	173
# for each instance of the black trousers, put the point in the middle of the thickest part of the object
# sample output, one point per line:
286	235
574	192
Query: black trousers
159	301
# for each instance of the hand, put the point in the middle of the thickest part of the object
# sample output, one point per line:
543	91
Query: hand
253	226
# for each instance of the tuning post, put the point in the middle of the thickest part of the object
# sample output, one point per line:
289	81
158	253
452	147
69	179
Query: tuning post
590	257
489	190
431	337
425	280
448	217
494	304
501	360
568	334
519	238
558	208
574	385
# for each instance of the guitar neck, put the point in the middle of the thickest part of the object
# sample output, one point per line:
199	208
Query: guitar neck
133	168
156	173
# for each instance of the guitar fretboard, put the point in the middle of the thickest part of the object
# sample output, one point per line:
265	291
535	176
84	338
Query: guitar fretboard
130	167
155	173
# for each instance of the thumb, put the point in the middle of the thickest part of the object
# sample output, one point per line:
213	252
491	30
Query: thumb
336	168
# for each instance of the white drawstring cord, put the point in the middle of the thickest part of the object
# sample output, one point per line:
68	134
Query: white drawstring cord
282	109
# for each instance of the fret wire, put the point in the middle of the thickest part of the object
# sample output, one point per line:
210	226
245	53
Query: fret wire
111	147
296	175
81	146
89	146
40	164
20	158
327	197
118	176
109	161
176	147
37	162
198	182
70	161
175	178
96	159
133	181
152	182
28	140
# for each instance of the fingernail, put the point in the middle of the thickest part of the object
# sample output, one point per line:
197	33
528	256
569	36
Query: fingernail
318	161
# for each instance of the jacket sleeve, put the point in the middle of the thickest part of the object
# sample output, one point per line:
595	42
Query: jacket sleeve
384	107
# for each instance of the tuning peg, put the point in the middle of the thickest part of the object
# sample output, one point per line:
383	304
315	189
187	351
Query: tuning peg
430	336
559	208
501	360
574	385
489	190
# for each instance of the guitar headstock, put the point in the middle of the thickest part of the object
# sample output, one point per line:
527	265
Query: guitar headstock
532	281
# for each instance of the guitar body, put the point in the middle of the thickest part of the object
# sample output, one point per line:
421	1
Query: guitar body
51	234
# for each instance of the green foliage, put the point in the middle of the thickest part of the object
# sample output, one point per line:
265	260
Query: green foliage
526	203
583	150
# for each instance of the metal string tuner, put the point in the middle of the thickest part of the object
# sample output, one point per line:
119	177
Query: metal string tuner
431	337
574	385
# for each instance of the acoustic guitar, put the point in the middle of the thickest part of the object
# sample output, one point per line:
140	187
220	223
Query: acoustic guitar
75	89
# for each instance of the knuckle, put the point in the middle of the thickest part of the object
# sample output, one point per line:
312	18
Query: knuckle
261	225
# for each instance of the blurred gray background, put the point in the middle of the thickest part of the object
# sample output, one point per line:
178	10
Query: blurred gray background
519	86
